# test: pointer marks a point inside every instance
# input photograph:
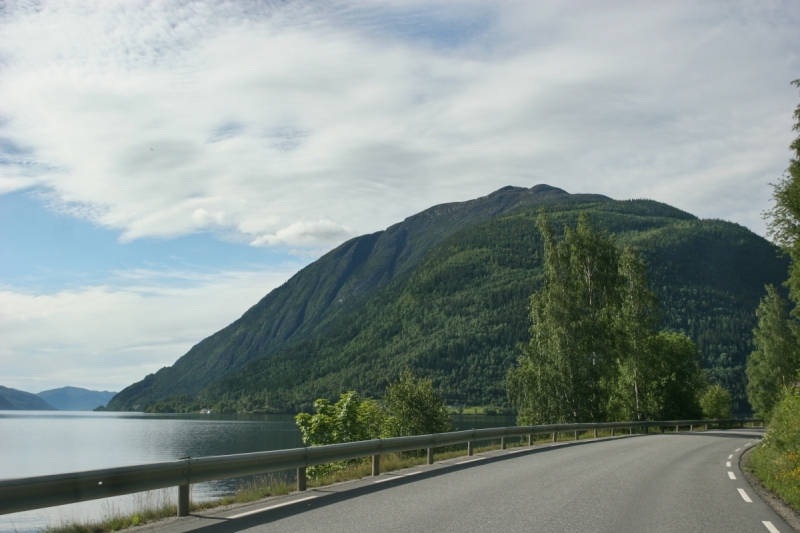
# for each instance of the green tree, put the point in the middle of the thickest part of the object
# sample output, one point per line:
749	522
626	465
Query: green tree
414	408
637	324
675	379
774	363
716	403
784	217
564	369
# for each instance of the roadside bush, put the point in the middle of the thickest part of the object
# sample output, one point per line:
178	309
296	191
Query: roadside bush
351	419
411	406
777	460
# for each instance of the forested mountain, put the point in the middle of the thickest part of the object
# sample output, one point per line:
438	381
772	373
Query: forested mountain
17	400
445	293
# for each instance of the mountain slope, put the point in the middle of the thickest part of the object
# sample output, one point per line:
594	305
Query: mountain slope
335	285
457	313
23	401
76	398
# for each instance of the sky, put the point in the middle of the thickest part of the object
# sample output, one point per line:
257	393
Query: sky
165	164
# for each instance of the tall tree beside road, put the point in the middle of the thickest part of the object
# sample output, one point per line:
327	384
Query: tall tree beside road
774	363
595	352
784	217
562	372
777	355
638	322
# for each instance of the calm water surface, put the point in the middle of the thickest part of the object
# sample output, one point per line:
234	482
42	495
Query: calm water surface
36	443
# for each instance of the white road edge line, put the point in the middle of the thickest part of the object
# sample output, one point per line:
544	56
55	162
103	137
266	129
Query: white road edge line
730	456
744	495
471	460
770	527
284	504
737	449
731	475
390	478
728	464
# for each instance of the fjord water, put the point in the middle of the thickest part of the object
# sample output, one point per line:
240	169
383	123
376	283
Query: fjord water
34	443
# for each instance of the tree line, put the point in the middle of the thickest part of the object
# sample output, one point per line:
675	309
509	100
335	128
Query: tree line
773	368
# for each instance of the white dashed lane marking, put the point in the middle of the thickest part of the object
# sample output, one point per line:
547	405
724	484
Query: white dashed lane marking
770	527
744	495
737	449
728	464
730	456
731	475
271	507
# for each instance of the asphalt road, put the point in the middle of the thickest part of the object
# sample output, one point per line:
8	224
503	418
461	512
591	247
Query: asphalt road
671	483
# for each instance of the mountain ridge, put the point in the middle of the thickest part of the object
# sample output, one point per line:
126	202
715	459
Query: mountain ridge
76	398
18	400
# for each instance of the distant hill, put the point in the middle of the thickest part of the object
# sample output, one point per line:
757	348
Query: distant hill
446	292
75	398
17	400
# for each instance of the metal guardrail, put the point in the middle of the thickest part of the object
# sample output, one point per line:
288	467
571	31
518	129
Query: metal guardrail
23	494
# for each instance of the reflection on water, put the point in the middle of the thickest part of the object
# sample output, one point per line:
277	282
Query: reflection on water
36	443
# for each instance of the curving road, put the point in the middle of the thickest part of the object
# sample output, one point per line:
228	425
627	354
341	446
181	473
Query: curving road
684	482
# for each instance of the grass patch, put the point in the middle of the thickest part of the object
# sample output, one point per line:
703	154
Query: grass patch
776	461
150	506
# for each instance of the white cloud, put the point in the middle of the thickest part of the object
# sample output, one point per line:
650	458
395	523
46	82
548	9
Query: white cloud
291	124
107	336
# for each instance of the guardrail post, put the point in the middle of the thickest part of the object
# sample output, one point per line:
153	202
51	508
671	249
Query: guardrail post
595	433
676	429
530	440
430	456
502	443
376	465
576	435
691	427
469	448
646	429
301	479
183	500
613	432
555	436
706	427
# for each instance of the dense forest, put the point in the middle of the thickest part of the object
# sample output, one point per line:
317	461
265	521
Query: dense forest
457	313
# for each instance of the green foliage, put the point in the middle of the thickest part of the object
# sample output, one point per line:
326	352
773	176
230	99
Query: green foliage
594	352
565	368
414	408
716	403
784	217
776	359
350	419
675	379
411	407
777	460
